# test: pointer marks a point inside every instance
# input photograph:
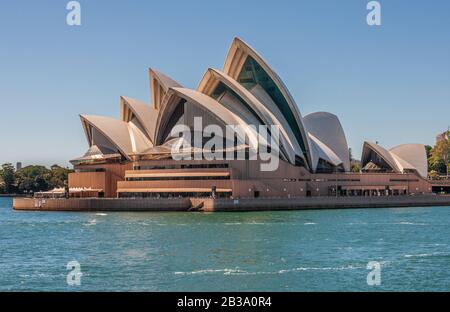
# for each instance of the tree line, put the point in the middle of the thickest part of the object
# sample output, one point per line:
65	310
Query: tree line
31	179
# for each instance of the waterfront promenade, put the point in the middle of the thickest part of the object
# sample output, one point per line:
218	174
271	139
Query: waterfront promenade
211	205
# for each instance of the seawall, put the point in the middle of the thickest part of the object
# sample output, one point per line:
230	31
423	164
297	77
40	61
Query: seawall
211	205
101	204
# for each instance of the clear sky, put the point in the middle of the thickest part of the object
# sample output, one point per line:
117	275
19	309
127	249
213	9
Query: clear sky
389	84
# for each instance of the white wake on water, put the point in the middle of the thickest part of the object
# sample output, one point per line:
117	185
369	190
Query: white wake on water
91	222
409	223
206	271
419	255
238	271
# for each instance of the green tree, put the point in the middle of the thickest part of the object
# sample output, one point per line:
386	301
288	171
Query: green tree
437	166
8	178
33	178
433	174
39	178
59	176
428	150
355	167
441	153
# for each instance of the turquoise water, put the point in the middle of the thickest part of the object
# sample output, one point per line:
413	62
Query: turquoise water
266	251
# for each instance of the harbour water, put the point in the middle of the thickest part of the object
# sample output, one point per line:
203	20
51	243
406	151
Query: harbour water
325	250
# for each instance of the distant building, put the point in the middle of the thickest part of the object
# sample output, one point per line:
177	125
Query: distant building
18	165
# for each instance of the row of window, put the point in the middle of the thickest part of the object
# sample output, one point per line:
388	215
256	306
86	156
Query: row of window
174	195
322	180
183	166
90	170
177	178
404	180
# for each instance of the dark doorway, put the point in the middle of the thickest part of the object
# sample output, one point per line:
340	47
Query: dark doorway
441	189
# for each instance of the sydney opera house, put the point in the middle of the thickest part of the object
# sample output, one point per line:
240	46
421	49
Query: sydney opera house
133	156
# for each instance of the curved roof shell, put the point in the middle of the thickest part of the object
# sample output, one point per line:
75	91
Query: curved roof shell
254	95
401	158
381	152
159	85
327	128
145	115
239	57
319	150
222	113
414	155
262	114
127	138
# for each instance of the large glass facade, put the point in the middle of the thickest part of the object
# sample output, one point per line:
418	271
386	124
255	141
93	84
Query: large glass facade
175	118
375	163
324	166
221	89
252	74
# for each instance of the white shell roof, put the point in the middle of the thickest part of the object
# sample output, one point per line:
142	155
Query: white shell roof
414	155
382	152
165	81
402	157
146	115
327	128
267	111
159	81
221	112
322	133
319	150
237	54
124	136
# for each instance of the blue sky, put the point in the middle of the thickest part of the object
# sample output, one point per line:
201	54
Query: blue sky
389	84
